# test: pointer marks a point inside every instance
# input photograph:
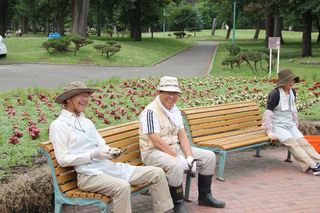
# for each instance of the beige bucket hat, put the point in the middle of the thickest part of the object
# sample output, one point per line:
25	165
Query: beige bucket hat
72	89
286	76
169	84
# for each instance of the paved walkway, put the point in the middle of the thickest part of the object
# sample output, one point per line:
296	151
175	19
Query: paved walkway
257	185
194	61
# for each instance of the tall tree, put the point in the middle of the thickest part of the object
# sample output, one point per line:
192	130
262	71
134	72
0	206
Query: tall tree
306	36
4	7
79	16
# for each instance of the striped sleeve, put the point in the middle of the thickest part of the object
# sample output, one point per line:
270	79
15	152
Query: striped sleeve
150	123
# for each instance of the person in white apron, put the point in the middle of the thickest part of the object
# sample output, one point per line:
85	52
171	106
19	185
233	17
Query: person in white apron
280	120
164	143
77	143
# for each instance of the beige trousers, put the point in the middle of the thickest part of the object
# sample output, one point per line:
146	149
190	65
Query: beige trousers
174	170
303	152
120	189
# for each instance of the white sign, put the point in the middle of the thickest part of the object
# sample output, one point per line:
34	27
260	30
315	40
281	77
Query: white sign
274	43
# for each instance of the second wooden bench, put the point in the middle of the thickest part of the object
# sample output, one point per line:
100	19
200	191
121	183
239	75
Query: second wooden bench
226	128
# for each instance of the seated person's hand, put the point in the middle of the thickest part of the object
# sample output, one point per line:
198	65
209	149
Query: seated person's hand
99	155
183	162
272	137
192	165
115	152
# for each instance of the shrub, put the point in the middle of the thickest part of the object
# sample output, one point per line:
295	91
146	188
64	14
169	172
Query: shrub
233	49
78	41
179	34
109	49
56	44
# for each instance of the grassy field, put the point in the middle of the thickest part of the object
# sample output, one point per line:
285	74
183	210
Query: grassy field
147	52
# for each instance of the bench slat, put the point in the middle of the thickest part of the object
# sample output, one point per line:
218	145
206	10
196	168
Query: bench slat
68	186
61	179
226	128
60	170
235	145
221	112
245	143
114	138
227	122
197	110
226	134
223	117
125	142
235	139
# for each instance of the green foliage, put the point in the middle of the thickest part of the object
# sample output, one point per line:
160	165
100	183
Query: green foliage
78	41
56	44
109	49
180	34
233	49
184	16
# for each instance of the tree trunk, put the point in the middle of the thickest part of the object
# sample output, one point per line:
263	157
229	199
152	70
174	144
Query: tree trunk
306	36
24	29
228	33
213	30
60	23
79	17
136	21
269	27
3	17
258	27
98	30
277	31
318	26
151	31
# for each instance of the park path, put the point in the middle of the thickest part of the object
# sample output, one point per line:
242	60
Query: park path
194	61
252	185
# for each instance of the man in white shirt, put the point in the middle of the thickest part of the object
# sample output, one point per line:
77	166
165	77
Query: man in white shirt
164	143
77	143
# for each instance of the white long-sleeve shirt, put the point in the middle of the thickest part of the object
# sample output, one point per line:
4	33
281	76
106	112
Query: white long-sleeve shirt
74	138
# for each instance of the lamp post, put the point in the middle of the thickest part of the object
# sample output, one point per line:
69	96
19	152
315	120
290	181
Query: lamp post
234	23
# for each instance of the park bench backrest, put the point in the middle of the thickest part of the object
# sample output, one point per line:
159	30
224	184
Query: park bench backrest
124	136
225	121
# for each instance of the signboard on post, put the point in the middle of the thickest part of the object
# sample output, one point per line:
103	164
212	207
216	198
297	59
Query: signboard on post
274	43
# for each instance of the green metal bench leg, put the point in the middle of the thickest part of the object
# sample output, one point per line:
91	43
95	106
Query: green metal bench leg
222	161
257	155
57	207
288	157
103	207
187	191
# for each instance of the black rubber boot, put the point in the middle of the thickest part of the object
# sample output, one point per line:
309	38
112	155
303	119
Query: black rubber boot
178	199
205	196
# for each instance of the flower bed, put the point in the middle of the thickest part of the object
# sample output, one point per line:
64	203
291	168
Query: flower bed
26	114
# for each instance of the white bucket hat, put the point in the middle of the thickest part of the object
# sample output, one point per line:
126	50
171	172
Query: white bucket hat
73	88
169	84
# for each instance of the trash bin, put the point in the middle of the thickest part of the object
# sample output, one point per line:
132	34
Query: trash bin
314	140
54	35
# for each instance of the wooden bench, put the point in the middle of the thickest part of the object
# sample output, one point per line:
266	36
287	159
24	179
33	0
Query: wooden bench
226	128
66	191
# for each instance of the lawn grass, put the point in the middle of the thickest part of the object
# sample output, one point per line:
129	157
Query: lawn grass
289	55
28	49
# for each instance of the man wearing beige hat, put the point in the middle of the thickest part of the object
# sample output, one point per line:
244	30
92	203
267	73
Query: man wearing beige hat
77	143
164	143
280	121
